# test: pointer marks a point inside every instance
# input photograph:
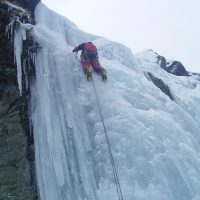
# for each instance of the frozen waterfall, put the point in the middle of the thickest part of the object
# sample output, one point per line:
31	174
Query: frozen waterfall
155	141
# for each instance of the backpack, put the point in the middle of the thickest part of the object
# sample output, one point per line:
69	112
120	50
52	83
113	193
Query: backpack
90	51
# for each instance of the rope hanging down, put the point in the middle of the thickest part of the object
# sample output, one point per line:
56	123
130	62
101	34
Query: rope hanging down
117	183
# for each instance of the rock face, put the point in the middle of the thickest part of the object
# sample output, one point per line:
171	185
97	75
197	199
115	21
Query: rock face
27	4
17	170
171	66
160	84
174	67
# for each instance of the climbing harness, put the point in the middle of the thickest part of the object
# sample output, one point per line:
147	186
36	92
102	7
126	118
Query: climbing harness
117	183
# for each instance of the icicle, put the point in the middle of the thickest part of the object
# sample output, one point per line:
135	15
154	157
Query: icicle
9	28
20	35
18	40
25	61
16	32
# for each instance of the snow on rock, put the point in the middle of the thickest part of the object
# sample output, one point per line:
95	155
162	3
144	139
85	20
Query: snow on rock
155	141
12	6
171	66
16	31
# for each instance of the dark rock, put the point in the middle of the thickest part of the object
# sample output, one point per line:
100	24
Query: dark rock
30	4
26	4
160	84
17	163
175	67
161	61
193	73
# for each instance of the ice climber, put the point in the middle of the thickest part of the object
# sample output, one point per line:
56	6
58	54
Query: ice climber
89	58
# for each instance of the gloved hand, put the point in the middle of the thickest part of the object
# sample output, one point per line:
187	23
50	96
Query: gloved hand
73	50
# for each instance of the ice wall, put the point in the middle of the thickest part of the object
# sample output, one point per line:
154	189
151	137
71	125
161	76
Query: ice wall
155	141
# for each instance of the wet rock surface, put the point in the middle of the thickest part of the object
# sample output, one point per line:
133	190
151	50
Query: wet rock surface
17	166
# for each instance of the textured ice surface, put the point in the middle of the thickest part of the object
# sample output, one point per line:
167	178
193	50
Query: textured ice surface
155	141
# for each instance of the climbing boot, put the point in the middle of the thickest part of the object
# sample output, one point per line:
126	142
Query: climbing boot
104	75
88	73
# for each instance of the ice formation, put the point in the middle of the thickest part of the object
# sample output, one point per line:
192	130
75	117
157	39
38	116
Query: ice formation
155	141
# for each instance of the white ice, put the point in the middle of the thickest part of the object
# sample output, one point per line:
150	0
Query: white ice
155	141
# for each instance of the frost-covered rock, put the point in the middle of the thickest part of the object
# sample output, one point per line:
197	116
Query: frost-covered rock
160	84
17	165
171	66
176	68
24	4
